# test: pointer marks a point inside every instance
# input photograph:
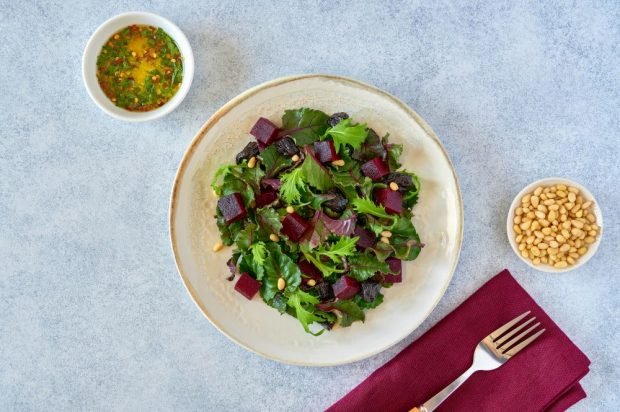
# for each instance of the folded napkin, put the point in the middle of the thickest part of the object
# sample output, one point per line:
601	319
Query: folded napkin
542	377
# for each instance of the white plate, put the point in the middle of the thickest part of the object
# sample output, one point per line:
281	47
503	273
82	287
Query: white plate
253	324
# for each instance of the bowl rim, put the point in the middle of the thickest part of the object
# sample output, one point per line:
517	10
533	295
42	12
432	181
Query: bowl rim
546	182
211	121
93	47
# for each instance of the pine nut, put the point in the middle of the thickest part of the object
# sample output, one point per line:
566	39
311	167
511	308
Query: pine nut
535	200
295	158
586	204
526	199
589	240
311	282
554	244
548	202
535	225
554	207
570	260
539	234
393	185
544	222
281	284
561	193
525	225
591	218
340	163
546	231
573	190
290	209
535	251
539	214
218	246
582	251
252	162
517	229
572	197
564	248
551	216
542	246
577	224
386	233
517	220
536	261
519	211
385	240
538	191
274	238
522	246
530	215
519	238
561	264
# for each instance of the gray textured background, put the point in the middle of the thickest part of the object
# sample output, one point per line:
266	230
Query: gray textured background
93	315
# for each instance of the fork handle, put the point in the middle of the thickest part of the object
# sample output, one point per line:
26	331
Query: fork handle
436	400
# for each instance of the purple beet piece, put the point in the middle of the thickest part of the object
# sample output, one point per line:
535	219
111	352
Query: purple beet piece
346	287
325	151
247	285
266	198
294	226
375	168
390	199
232	207
395	266
309	271
264	131
366	238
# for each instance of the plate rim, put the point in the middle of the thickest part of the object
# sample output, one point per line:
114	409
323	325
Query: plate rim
223	110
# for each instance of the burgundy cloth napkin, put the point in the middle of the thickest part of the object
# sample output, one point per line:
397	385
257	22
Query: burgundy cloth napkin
543	377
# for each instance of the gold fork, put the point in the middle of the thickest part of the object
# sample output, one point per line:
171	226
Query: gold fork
491	353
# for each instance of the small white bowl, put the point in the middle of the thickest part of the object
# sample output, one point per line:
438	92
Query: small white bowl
103	33
550	181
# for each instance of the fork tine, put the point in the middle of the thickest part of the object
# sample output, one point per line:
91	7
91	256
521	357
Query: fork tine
517	338
499	331
517	349
512	332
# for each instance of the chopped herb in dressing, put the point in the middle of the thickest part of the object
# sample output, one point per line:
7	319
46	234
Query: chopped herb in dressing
140	68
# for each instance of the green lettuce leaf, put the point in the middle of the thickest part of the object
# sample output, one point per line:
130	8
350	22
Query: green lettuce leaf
269	220
345	246
305	125
315	173
228	231
368	305
279	264
365	205
346	133
274	161
305	310
351	312
293	186
362	267
327	269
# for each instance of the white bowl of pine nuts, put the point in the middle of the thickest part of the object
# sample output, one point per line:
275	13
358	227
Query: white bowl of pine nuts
554	225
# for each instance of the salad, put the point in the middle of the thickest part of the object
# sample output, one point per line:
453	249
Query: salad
319	213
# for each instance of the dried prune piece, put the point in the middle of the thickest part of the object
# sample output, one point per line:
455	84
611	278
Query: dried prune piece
286	146
250	150
337	118
338	203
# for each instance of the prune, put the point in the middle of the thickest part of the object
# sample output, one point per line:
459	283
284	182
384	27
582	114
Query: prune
403	180
286	146
337	118
250	150
338	203
370	290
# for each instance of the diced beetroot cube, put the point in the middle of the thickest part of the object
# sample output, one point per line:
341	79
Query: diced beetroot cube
325	151
366	238
264	131
309	271
232	207
395	266
392	200
346	287
266	198
375	168
294	226
247	285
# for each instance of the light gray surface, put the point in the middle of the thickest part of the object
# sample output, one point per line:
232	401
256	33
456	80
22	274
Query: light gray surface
93	315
